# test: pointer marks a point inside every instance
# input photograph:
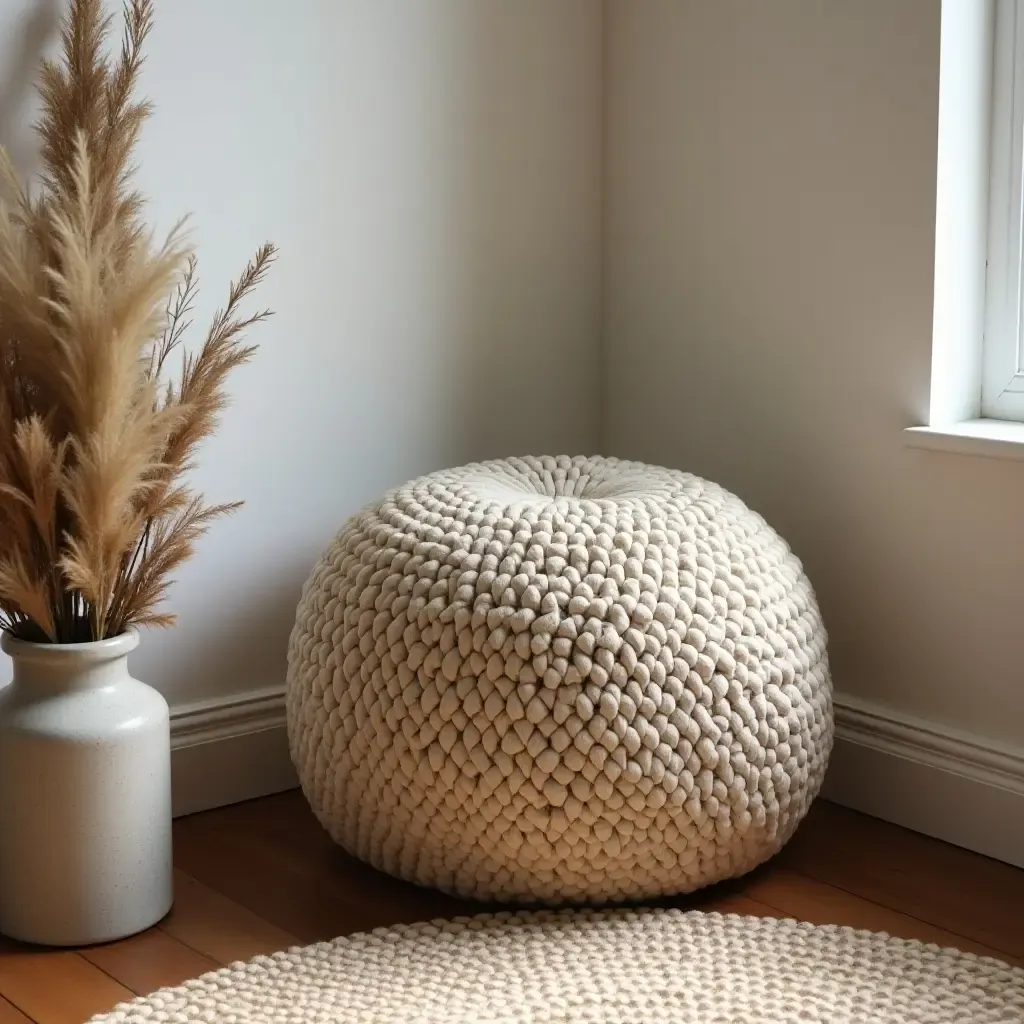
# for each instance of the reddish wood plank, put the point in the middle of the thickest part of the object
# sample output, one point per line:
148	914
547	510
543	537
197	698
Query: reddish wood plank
924	878
810	900
56	987
258	879
219	928
286	833
318	891
737	904
150	961
11	1014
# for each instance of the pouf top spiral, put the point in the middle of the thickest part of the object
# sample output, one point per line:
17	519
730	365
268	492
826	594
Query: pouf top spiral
559	679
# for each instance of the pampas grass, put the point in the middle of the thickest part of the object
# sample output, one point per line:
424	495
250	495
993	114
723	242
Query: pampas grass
100	414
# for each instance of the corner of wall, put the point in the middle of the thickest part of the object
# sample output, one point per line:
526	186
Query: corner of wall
603	348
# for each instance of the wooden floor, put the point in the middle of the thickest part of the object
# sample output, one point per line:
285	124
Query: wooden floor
261	876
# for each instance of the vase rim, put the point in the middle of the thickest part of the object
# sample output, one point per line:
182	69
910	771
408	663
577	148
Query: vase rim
90	651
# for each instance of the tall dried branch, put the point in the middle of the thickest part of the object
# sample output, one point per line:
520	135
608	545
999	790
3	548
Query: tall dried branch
95	441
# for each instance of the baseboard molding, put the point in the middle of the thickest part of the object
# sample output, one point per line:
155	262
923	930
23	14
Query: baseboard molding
946	783
229	749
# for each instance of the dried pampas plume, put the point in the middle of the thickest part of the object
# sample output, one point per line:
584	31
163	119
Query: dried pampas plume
97	434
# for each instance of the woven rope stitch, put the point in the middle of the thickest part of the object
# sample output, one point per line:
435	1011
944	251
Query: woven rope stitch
559	680
586	967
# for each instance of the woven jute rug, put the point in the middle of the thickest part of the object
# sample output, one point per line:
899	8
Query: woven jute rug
615	967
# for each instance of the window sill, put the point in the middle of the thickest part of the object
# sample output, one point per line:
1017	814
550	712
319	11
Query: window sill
994	439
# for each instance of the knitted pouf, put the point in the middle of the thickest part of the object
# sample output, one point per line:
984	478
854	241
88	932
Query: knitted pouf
559	679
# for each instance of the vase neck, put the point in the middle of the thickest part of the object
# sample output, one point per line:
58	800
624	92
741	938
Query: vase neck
67	667
65	676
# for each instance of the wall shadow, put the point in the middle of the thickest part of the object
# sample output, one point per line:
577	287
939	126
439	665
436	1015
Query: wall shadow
26	46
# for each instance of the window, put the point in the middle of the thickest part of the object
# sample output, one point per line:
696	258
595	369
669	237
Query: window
1002	385
975	405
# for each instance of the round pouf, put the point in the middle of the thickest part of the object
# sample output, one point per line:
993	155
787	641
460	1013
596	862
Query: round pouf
559	680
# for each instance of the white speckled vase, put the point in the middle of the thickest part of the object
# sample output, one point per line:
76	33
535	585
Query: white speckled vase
85	795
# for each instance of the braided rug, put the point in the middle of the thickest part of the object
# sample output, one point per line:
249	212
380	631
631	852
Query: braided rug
612	967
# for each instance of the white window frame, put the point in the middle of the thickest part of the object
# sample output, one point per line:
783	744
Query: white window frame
1002	385
975	404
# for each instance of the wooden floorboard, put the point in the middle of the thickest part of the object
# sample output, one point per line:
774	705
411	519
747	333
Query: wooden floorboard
262	876
264	880
807	899
217	927
283	835
949	887
150	961
10	1014
57	988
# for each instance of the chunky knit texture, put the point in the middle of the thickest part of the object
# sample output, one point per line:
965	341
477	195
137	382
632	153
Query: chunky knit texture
559	679
599	968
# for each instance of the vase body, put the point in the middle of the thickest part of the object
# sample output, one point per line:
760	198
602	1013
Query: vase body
85	795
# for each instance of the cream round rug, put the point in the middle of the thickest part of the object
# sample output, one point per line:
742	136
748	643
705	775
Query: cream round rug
613	967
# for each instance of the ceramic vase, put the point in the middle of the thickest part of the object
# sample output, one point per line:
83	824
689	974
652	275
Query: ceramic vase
85	795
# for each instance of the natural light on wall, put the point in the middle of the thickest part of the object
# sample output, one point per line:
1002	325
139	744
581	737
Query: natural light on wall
1002	386
977	380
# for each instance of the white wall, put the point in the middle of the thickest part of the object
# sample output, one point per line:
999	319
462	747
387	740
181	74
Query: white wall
443	178
431	174
771	189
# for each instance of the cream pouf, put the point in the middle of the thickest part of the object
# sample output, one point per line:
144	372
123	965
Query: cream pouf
559	679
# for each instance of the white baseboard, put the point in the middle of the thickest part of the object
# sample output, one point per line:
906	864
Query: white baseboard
949	784
229	749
